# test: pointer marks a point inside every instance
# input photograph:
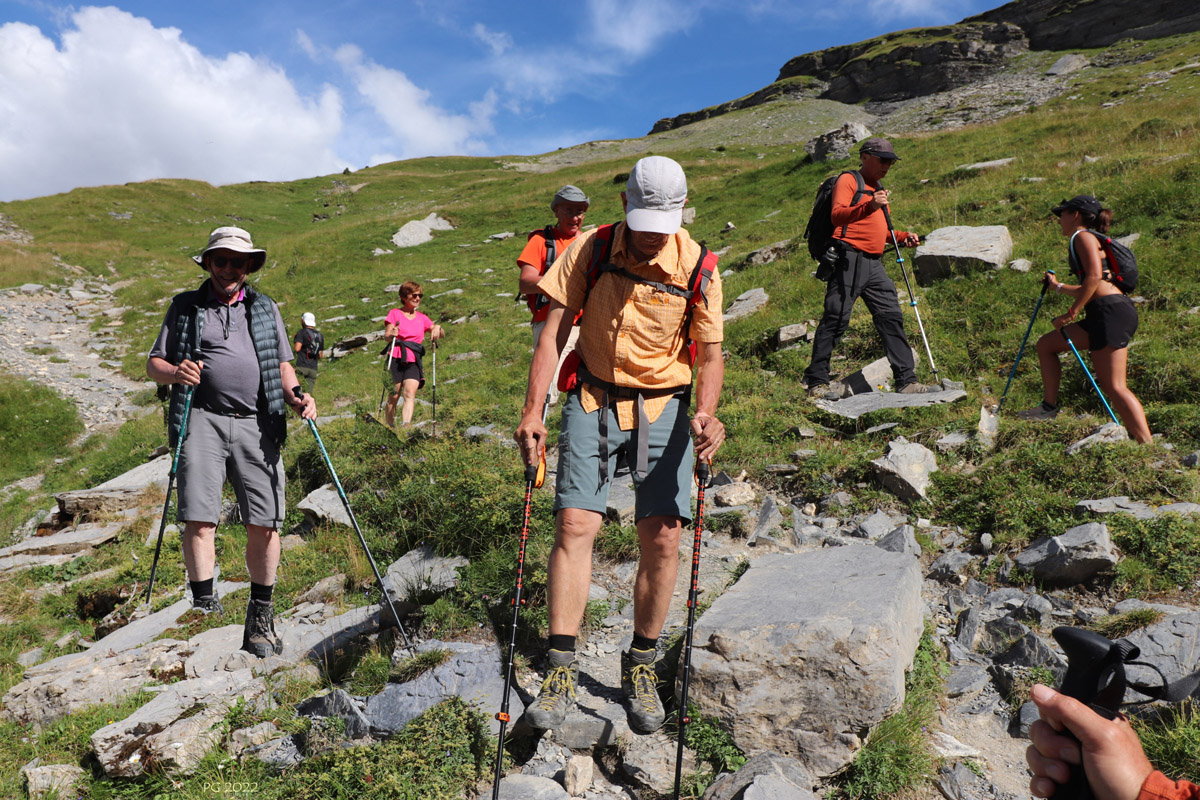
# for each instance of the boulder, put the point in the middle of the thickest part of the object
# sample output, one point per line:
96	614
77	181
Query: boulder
905	469
1171	645
1073	557
768	254
529	787
1071	62
52	780
961	249
833	630
649	761
733	494
874	527
837	144
175	730
951	567
1108	433
901	540
473	672
337	705
578	776
874	377
65	542
767	776
324	505
978	165
421	573
746	304
790	335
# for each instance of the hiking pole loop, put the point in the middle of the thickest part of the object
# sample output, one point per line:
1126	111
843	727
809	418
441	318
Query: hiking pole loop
189	394
535	476
1096	386
703	476
912	297
1021	349
387	598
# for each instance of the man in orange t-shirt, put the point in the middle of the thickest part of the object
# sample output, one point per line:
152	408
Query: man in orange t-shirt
861	233
545	246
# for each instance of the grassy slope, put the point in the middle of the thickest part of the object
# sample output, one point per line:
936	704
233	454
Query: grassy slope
1147	170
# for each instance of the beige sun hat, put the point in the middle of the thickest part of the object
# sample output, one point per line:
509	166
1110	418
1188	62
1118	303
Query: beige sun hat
230	238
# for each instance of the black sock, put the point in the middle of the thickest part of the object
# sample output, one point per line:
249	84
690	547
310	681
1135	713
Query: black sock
261	593
643	642
201	589
558	641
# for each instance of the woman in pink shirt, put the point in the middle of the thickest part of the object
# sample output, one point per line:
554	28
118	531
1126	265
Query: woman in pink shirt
408	326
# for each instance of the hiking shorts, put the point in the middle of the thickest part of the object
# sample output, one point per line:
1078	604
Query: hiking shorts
666	490
237	449
407	371
1110	321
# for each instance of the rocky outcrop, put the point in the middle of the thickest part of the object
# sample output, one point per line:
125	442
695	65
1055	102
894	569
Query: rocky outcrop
1068	24
780	90
910	63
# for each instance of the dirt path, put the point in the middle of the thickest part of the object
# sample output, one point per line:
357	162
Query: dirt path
46	336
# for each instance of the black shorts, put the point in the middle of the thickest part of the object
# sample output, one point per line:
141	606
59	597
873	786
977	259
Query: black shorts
407	371
1110	321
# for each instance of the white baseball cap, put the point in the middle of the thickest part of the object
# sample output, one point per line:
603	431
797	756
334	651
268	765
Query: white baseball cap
655	195
308	319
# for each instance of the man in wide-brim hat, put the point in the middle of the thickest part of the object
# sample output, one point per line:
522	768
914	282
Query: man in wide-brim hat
225	343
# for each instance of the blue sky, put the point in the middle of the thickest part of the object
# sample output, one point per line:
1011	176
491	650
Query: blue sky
271	90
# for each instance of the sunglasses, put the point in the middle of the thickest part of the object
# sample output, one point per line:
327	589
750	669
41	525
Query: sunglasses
237	262
417	295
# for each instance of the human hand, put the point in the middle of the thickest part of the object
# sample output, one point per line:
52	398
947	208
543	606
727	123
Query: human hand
878	200
1050	282
911	240
303	404
1062	320
1109	750
709	433
188	372
530	436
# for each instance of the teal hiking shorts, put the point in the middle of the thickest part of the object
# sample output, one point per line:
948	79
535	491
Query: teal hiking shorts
666	490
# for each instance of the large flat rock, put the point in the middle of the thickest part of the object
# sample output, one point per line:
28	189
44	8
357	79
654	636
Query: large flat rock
855	406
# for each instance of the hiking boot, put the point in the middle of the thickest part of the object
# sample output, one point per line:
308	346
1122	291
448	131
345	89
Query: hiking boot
1039	413
645	712
918	388
259	637
209	604
557	694
835	390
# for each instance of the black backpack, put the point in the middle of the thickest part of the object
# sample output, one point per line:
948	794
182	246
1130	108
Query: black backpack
819	230
1120	264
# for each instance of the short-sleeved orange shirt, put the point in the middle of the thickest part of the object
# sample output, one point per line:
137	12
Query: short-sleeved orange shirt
632	334
534	255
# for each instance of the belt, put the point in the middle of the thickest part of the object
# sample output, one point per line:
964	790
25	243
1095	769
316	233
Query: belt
642	458
229	413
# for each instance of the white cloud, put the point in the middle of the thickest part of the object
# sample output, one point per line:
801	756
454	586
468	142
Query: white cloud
120	100
498	41
633	28
420	126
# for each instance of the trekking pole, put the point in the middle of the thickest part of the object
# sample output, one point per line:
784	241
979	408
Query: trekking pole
435	387
912	298
535	476
1096	386
703	469
387	598
189	393
387	381
1021	349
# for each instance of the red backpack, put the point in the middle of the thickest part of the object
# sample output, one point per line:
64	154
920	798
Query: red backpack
602	246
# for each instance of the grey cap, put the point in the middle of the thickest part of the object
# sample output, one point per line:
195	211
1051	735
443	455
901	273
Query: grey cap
880	148
569	194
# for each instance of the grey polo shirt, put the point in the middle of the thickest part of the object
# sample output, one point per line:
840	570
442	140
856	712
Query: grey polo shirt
230	381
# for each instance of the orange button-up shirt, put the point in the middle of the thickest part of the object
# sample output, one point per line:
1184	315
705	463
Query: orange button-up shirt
632	334
866	230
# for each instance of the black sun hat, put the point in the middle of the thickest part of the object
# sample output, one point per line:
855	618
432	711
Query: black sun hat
1080	202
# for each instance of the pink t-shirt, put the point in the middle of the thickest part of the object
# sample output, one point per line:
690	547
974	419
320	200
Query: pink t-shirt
407	330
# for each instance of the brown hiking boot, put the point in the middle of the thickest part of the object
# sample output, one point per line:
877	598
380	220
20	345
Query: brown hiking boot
918	388
835	390
557	695
259	638
645	713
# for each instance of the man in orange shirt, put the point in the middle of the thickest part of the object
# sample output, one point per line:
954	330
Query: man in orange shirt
635	365
544	247
861	234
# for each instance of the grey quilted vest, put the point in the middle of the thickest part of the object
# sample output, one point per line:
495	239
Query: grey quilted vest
188	327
